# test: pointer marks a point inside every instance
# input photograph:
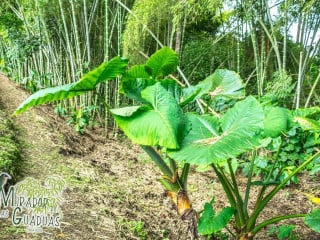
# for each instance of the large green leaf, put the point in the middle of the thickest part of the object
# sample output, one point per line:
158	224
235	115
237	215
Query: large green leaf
305	112
275	121
162	123
307	123
162	63
240	127
210	223
231	84
221	83
48	95
313	220
104	72
172	87
134	81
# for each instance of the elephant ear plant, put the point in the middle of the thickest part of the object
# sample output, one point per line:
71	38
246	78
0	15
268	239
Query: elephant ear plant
174	138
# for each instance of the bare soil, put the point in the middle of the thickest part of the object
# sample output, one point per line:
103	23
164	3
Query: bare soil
112	189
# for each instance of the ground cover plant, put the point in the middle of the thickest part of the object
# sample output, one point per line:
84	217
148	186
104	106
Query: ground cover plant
177	126
9	147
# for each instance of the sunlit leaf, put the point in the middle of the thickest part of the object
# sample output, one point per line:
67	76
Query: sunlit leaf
312	198
162	123
240	125
307	123
221	83
275	121
134	81
162	63
305	112
106	71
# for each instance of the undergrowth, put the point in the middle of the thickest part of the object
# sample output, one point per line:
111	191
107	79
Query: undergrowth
10	160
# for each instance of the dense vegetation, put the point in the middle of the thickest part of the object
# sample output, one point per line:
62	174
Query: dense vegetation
9	146
273	45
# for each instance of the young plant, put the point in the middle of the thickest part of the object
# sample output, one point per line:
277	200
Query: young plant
175	138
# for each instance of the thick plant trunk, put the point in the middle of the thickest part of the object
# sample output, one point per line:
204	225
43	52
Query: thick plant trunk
246	236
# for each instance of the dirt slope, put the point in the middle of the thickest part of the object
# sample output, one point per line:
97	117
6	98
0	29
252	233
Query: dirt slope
112	189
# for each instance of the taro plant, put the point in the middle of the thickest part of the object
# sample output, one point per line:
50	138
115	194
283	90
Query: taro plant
175	138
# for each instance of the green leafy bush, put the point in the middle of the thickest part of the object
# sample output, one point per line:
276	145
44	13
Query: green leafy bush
9	151
160	122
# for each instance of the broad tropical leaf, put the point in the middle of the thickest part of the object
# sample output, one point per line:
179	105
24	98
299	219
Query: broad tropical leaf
221	83
275	121
48	95
172	87
313	220
240	125
162	123
106	71
126	111
307	123
162	63
305	112
210	223
231	84
134	81
188	95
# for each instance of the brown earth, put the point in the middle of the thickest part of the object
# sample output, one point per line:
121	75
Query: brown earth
112	189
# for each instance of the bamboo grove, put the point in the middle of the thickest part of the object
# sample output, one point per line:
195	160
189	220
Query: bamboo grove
273	45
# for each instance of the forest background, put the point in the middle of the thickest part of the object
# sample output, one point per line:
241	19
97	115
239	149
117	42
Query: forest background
272	45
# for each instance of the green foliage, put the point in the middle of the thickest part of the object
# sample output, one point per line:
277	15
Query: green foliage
81	118
9	147
162	63
135	37
207	146
106	71
137	228
275	121
35	81
210	223
162	122
196	55
221	83
283	232
313	220
280	87
159	120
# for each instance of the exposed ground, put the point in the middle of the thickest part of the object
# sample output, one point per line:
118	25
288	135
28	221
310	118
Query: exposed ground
112	189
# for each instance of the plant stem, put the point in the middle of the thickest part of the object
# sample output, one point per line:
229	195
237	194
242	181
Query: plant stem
184	175
228	190
264	188
158	160
265	201
246	197
275	220
239	203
